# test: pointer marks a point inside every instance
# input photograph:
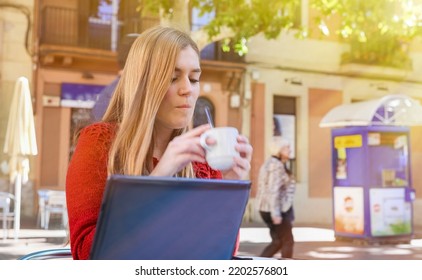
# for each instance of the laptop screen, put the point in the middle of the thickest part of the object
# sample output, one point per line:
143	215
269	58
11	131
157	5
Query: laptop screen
165	218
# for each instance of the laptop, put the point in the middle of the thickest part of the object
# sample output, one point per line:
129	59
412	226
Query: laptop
167	218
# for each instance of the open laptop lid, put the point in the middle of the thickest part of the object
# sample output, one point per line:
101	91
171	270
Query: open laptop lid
162	218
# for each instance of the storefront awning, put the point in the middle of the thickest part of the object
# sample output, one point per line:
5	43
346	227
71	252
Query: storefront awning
396	110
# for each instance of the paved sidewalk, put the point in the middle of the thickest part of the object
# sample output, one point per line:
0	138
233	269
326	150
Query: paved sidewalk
312	242
318	242
32	238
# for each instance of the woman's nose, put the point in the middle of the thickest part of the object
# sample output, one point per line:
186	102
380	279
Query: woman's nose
185	86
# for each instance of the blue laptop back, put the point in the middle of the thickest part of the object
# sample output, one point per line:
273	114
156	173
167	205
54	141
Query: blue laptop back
164	218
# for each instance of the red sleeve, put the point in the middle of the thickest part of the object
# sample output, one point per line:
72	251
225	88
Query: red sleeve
204	171
85	182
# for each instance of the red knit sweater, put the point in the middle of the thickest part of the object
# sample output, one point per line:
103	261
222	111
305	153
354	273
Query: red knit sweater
85	182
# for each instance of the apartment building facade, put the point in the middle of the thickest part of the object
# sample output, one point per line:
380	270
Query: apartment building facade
300	80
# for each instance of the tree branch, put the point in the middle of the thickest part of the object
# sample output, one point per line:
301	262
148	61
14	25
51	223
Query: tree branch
202	38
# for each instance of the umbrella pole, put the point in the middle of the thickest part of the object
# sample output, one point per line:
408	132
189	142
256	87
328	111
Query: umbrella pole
18	189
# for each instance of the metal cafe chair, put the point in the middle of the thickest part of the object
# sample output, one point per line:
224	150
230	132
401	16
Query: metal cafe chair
49	254
6	202
51	202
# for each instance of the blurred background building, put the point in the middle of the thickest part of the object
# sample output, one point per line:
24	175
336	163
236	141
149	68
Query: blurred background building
68	52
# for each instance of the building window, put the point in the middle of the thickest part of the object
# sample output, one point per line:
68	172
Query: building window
101	11
284	124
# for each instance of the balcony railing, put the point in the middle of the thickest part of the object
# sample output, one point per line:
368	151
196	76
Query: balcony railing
66	27
59	26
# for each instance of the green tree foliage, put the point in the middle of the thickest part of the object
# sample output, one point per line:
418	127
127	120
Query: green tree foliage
234	21
379	31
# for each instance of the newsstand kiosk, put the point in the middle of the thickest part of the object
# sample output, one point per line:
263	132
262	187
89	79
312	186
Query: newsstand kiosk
372	182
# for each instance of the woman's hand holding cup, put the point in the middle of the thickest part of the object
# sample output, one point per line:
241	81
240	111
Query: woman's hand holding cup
227	151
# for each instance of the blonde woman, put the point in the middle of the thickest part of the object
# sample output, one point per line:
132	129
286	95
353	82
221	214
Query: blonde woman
144	130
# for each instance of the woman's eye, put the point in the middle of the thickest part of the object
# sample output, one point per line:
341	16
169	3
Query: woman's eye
192	80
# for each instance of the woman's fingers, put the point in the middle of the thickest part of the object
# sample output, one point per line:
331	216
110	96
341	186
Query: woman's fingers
242	139
187	145
187	148
242	164
184	149
197	131
244	148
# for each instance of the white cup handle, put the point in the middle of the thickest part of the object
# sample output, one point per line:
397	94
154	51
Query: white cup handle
203	141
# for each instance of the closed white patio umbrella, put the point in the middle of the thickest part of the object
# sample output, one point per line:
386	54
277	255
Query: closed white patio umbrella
20	142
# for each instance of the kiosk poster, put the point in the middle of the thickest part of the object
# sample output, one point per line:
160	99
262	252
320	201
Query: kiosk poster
341	143
348	210
390	213
341	164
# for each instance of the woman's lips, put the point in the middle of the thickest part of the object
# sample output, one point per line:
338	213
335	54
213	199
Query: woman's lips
184	106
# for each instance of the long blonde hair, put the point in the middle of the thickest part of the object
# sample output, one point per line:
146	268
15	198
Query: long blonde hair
144	82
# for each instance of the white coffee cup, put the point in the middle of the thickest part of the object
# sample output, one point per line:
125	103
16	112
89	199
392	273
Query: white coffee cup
220	155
